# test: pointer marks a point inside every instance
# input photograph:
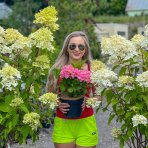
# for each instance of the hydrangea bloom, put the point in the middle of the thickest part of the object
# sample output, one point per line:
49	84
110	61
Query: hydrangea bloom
22	47
139	119
137	40
16	102
103	77
50	99
9	76
126	82
42	38
32	119
118	47
11	35
142	79
97	65
92	102
5	49
68	71
2	31
115	132
42	62
47	17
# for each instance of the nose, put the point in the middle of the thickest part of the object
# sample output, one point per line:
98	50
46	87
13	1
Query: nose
77	48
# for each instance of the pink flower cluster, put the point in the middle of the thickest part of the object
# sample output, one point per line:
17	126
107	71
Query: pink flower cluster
68	71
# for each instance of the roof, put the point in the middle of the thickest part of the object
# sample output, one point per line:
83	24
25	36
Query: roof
133	5
5	11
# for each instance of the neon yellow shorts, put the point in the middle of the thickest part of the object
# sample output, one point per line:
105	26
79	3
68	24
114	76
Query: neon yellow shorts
83	131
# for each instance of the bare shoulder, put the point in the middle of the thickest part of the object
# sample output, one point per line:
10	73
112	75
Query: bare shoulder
85	66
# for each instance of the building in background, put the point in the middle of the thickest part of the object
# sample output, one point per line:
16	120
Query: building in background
137	7
5	11
108	29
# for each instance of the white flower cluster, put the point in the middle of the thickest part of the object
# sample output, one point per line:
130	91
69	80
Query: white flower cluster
42	62
92	102
142	79
42	38
16	102
115	132
49	99
118	48
12	42
32	119
139	119
10	77
103	77
126	82
97	65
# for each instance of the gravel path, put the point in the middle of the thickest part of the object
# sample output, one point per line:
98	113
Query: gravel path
105	138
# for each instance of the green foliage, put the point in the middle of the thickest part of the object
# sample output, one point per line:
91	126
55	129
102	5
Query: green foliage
73	16
111	7
78	64
30	86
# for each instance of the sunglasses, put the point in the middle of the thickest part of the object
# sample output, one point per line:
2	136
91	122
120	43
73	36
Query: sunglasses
74	46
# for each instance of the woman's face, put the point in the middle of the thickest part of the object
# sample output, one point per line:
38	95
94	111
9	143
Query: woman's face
76	48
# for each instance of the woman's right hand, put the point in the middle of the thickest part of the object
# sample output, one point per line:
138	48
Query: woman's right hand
63	107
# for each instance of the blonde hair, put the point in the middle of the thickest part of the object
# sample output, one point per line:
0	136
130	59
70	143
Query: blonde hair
63	58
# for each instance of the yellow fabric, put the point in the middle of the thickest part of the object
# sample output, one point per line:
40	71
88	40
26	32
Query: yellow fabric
83	131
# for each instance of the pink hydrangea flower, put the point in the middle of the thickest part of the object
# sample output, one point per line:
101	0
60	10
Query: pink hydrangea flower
68	71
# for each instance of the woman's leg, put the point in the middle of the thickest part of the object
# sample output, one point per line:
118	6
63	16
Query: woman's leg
65	145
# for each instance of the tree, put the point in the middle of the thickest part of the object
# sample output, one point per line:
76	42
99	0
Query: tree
73	16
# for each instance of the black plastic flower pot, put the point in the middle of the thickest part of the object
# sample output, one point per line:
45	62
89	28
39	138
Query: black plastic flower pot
75	109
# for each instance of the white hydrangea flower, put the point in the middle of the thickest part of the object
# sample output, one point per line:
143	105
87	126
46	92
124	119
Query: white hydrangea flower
22	47
139	119
5	49
32	119
118	47
42	62
49	99
97	65
144	43
126	82
99	89
16	102
142	79
9	76
103	77
2	31
42	38
116	132
11	35
94	102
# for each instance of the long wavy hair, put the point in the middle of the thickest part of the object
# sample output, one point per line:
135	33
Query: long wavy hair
63	59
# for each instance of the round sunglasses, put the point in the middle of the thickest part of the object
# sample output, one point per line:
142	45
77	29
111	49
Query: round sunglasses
74	46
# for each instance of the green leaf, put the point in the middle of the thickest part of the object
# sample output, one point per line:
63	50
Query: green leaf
110	119
122	71
24	108
56	72
15	120
121	143
78	64
70	90
114	101
4	107
130	132
25	130
62	87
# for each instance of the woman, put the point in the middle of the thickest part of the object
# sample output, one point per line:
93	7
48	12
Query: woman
79	132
